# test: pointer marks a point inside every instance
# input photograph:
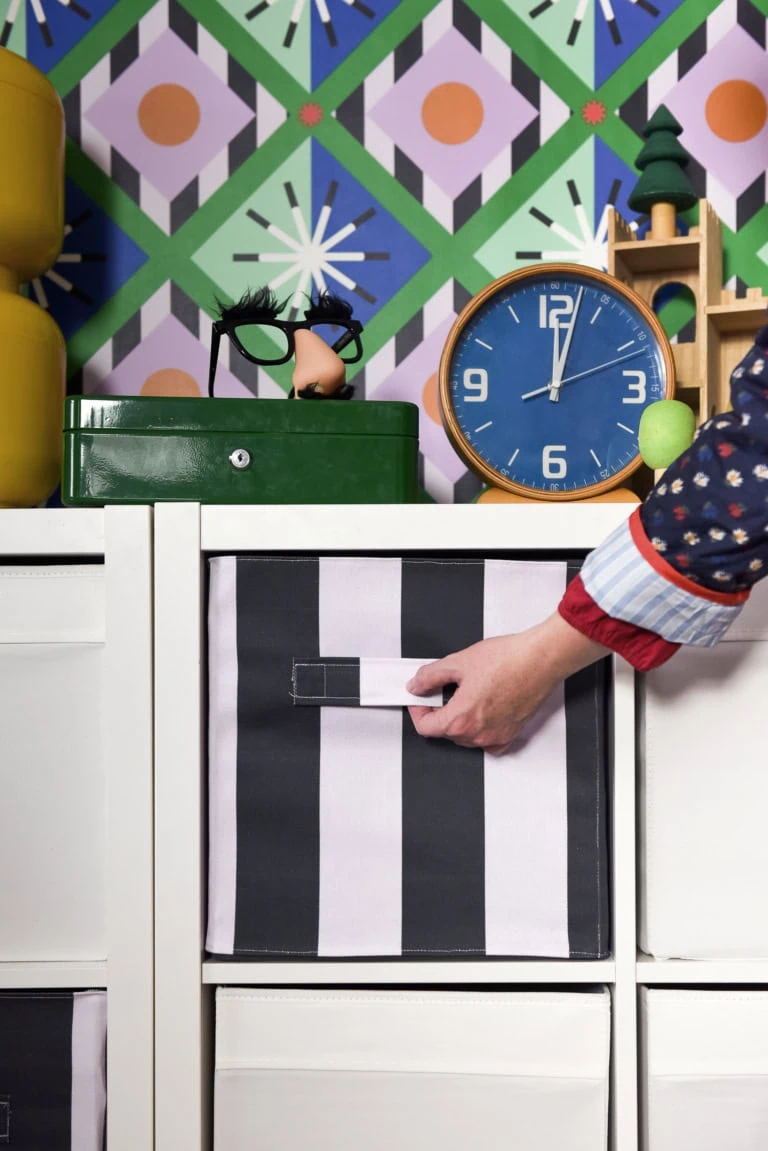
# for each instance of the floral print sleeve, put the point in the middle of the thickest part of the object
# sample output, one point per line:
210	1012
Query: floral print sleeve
683	565
708	516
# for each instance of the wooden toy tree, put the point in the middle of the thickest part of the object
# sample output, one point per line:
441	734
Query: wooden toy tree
663	189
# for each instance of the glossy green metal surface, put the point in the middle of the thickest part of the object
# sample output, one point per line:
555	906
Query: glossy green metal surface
140	450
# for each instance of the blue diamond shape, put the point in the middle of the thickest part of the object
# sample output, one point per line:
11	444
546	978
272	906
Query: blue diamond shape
107	259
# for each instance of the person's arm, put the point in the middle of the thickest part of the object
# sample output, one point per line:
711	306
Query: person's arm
677	572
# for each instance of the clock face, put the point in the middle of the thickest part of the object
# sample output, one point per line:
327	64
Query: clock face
544	377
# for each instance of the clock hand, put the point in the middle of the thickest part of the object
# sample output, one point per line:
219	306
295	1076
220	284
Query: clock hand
557	375
578	376
555	352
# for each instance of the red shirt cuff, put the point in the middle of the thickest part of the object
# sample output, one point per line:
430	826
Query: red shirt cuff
641	648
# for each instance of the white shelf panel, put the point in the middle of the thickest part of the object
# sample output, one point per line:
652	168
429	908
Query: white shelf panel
52	975
52	532
399	972
408	527
697	971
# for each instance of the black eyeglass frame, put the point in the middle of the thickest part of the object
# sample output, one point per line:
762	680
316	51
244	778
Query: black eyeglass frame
351	334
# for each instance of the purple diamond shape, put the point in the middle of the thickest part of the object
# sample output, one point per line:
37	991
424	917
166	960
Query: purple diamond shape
736	57
169	167
170	345
407	383
505	113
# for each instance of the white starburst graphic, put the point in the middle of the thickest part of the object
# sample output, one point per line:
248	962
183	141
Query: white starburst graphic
39	14
70	258
298	11
584	246
605	7
312	257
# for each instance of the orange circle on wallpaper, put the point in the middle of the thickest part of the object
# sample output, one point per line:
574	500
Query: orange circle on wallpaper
170	382
429	399
736	111
169	114
452	113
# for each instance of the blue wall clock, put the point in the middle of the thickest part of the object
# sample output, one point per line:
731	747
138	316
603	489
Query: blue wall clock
544	377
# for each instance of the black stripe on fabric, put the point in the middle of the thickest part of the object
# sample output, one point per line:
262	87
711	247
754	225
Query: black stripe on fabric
331	681
443	786
586	765
278	760
36	1069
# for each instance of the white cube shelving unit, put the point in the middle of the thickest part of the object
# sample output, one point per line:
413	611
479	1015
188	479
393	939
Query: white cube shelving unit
121	538
185	535
161	988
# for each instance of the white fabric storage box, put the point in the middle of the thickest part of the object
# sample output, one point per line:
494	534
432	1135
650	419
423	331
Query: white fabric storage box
704	795
705	1070
335	829
345	1070
52	776
53	1070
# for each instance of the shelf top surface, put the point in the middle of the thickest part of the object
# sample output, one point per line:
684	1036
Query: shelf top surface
514	527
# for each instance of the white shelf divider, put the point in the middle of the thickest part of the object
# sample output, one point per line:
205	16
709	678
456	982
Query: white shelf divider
624	1066
52	532
666	972
44	975
128	744
366	972
181	1038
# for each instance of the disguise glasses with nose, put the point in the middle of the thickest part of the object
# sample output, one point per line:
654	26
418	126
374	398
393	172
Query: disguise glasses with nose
258	334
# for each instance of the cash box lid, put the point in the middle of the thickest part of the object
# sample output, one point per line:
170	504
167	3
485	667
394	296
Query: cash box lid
147	414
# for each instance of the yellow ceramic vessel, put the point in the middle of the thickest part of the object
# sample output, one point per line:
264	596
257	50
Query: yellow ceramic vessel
32	351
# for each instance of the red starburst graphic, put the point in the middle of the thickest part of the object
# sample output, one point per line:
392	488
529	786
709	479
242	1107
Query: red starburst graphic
594	112
310	115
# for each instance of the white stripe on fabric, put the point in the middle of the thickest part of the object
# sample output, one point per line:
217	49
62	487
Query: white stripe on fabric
222	752
625	586
382	683
526	790
360	768
89	1071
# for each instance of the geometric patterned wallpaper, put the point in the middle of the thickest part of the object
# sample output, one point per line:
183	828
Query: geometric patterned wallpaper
404	154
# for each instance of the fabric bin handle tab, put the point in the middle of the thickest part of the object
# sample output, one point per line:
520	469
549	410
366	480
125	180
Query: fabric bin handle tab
359	682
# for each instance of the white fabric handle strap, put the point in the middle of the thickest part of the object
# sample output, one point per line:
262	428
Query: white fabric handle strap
359	682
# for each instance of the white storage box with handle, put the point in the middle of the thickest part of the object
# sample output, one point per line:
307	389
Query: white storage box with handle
53	818
345	1070
705	1070
704	795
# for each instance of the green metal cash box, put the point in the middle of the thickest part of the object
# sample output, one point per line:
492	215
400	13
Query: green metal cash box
125	449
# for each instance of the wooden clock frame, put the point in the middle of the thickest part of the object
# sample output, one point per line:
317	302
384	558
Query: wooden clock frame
465	449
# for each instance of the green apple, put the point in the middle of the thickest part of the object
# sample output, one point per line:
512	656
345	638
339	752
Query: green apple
666	430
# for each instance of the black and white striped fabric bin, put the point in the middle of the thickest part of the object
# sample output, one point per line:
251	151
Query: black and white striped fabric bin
335	829
53	1070
704	795
704	1069
53	782
411	1070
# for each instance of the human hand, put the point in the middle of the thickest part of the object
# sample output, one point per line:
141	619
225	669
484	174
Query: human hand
502	683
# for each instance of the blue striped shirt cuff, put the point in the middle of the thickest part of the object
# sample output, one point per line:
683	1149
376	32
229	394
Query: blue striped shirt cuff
625	586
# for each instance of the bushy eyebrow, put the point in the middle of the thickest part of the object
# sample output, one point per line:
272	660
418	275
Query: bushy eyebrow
254	304
327	306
